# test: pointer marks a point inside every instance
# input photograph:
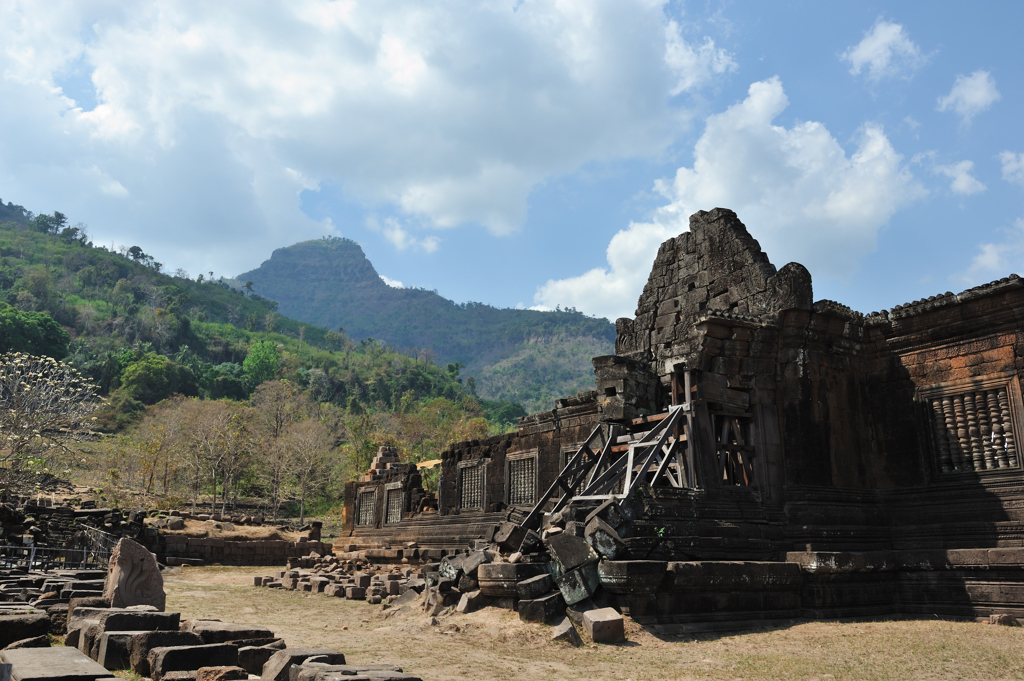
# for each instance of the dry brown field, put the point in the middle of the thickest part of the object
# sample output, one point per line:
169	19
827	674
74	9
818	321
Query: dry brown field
494	644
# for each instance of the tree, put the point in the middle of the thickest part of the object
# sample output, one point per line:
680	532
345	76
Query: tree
261	363
34	333
154	377
44	405
310	451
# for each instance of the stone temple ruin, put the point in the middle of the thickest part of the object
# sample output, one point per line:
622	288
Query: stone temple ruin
749	454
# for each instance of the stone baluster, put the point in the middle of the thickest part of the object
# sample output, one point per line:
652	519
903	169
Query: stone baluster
939	422
985	430
996	417
973	434
1009	441
961	432
956	455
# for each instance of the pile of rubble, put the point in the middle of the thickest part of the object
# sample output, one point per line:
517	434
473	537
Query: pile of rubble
555	577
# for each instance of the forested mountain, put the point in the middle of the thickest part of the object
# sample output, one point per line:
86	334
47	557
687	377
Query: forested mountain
524	356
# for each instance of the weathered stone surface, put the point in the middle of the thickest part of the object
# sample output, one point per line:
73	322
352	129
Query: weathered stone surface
570	552
579	584
604	625
252	658
113	649
134	577
187	658
224	673
471	601
276	668
632	576
52	664
542	609
535	587
222	632
17	627
126	620
500	579
141	644
565	631
34	642
604	539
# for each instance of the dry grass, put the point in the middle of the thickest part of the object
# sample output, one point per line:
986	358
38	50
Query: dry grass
494	644
202	528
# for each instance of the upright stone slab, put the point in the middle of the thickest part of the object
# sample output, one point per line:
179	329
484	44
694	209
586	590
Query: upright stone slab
134	577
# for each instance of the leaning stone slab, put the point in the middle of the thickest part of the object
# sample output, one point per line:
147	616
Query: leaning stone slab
604	625
535	587
17	627
566	632
279	664
141	644
579	584
34	642
134	577
471	602
51	664
186	658
570	552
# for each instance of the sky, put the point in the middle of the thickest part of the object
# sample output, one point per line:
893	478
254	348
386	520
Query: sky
528	154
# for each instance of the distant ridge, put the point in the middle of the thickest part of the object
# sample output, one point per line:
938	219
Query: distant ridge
526	356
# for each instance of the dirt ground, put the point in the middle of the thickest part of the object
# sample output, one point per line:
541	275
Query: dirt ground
494	644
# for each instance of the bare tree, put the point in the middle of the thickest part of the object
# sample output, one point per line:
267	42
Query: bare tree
310	450
44	405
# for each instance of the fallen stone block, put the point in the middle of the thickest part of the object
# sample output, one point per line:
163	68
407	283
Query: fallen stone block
604	625
355	593
183	675
471	602
17	627
579	584
252	658
141	644
34	642
535	587
543	609
279	664
509	536
604	539
222	632
125	620
1003	620
221	674
59	663
406	598
186	658
570	553
566	632
500	579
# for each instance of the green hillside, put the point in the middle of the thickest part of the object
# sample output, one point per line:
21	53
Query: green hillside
524	356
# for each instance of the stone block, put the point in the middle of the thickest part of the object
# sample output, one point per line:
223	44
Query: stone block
279	664
604	625
141	644
579	584
34	642
187	658
212	631
355	593
604	539
632	576
535	587
473	561
223	673
361	579
570	552
17	627
114	649
543	609
565	631
509	536
499	580
470	602
125	620
252	658
451	567
59	663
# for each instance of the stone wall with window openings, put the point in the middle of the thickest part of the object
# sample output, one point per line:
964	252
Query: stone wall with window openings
471	486
973	429
367	507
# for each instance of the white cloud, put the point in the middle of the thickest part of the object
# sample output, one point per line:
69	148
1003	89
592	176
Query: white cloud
963	182
393	283
400	238
1013	167
796	189
694	66
886	52
217	116
996	260
971	95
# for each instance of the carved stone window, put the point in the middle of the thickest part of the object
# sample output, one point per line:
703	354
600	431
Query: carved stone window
366	514
734	435
393	503
972	424
569	451
471	485
522	479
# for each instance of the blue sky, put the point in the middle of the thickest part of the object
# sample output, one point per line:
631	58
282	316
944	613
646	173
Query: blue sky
524	153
